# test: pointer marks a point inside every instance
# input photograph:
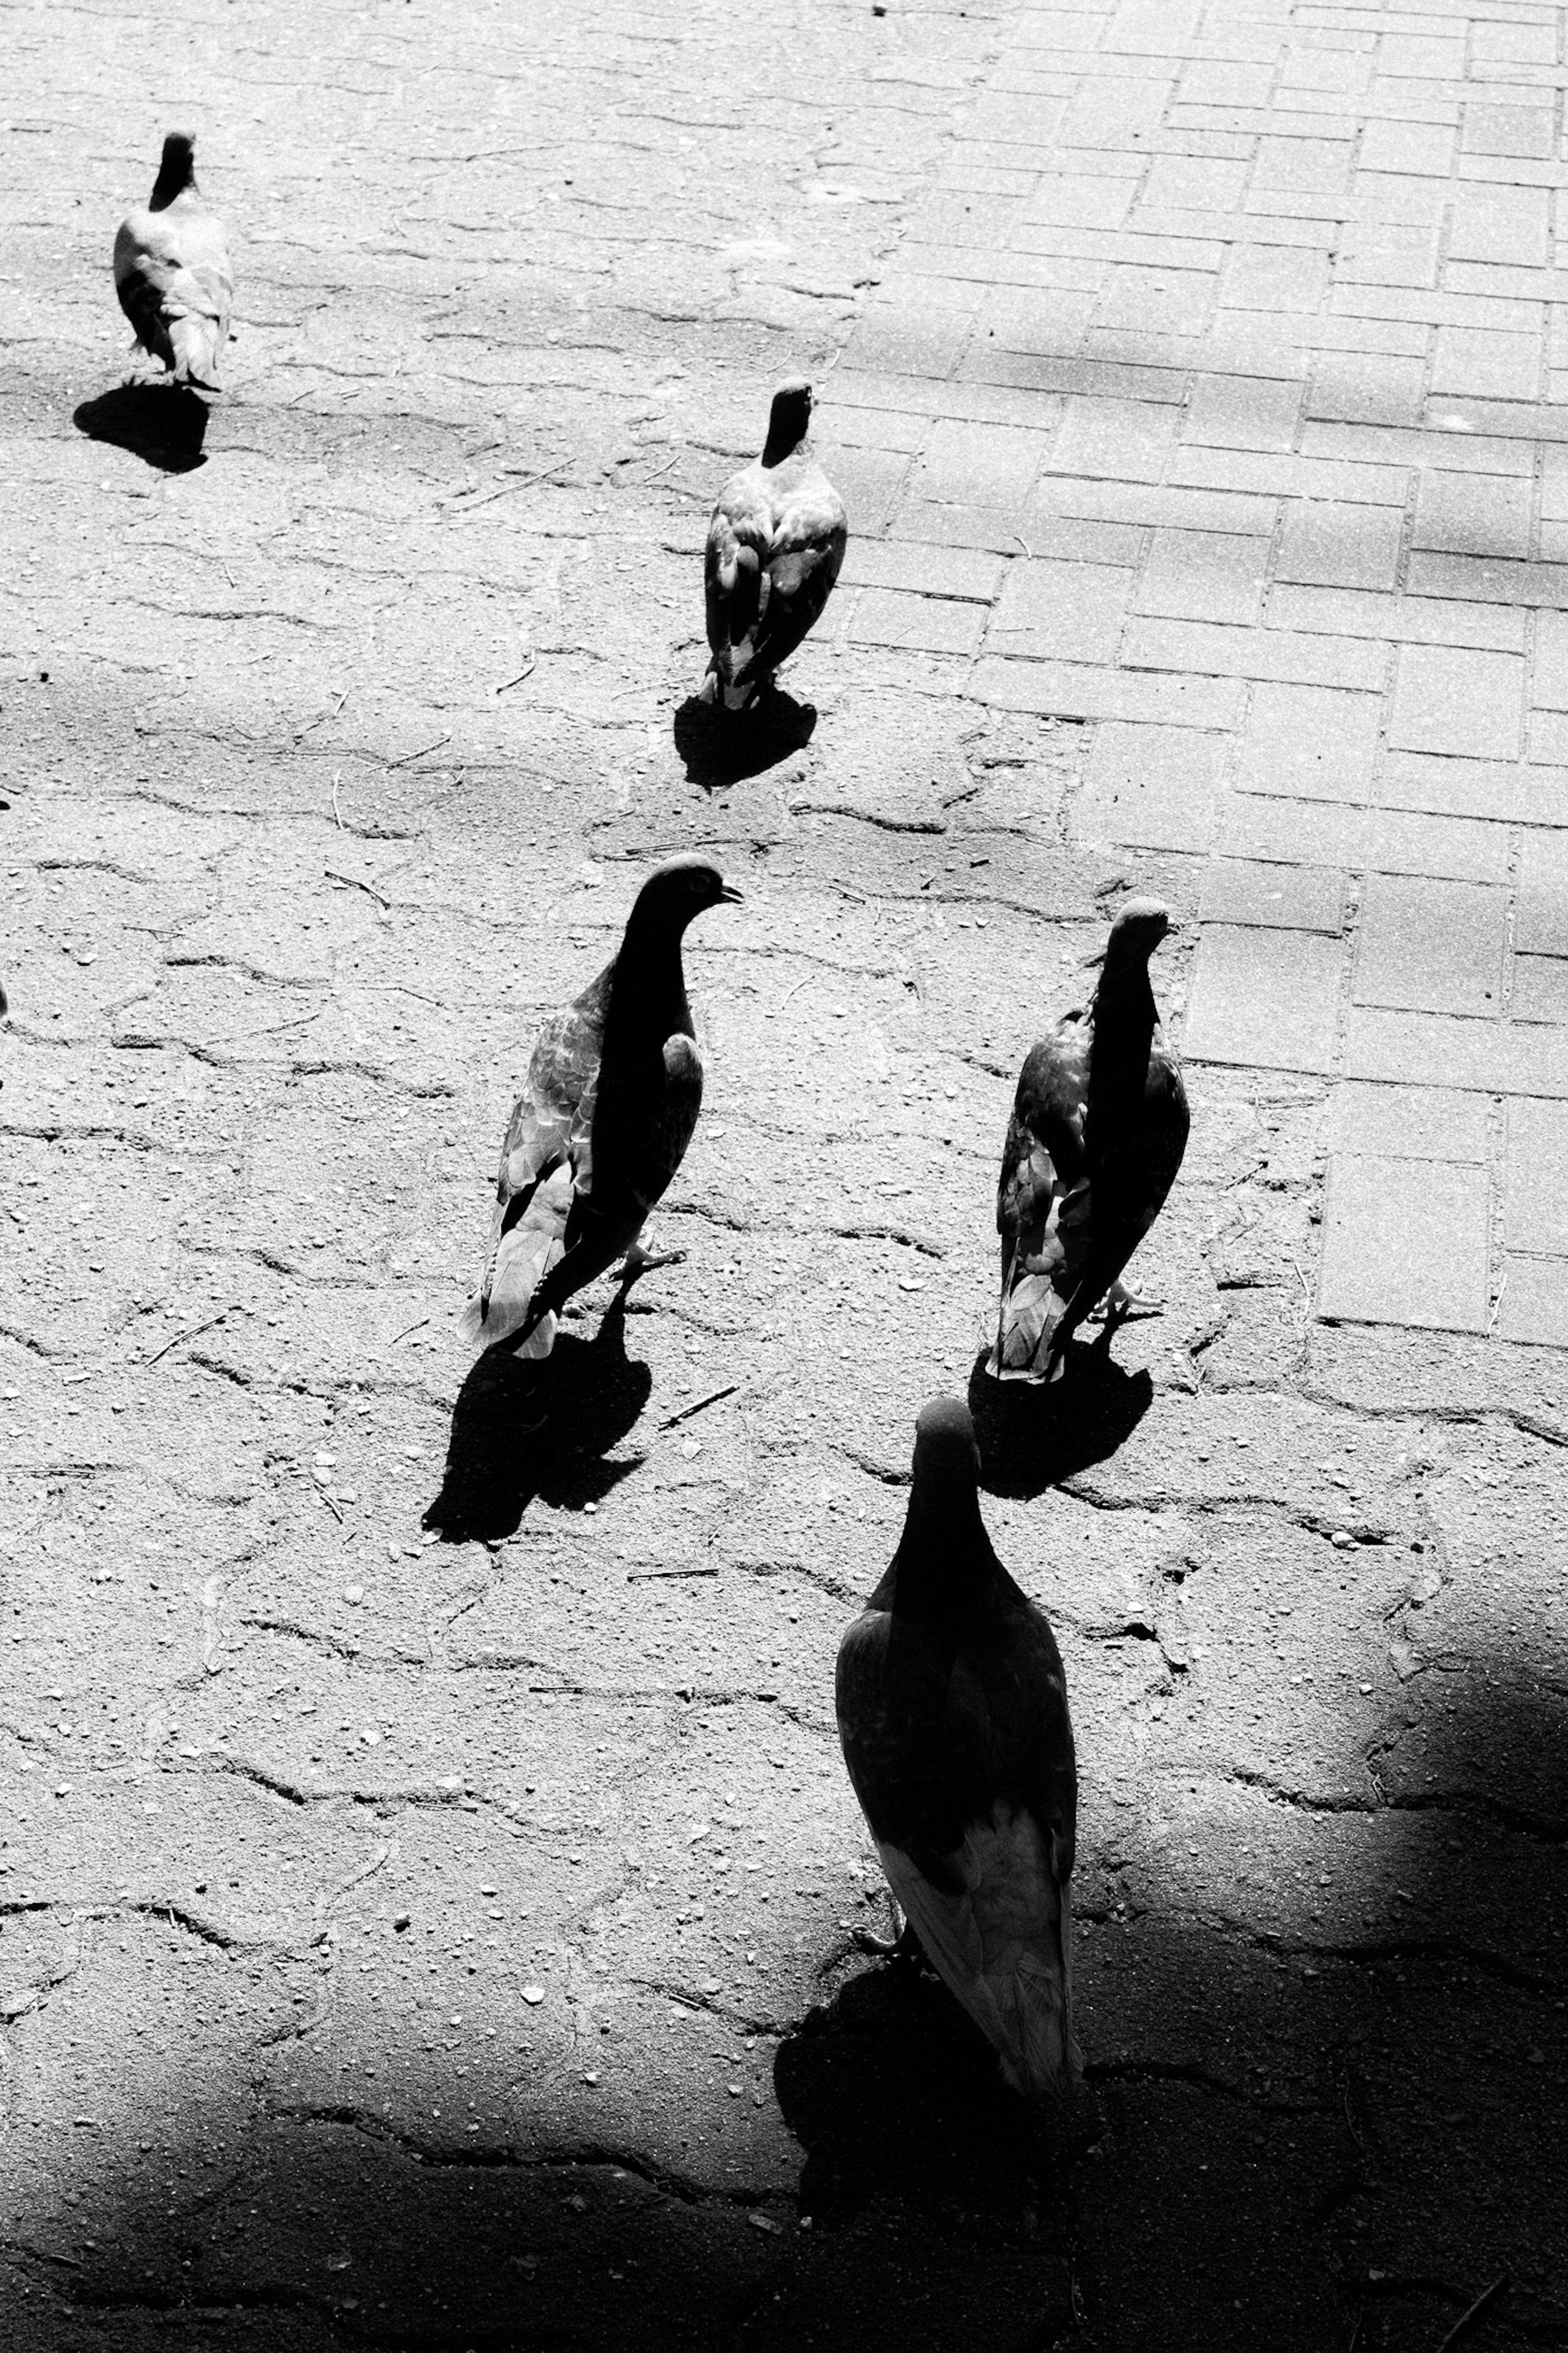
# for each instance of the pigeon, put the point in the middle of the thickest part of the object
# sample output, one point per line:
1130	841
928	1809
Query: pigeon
172	272
1099	1127
953	1711
775	546
606	1112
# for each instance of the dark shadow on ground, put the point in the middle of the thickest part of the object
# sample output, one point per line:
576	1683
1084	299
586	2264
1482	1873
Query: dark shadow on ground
165	423
723	747
1034	1438
522	1429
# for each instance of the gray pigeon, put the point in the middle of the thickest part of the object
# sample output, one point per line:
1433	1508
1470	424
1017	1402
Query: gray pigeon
953	1711
1099	1127
606	1112
171	271
775	546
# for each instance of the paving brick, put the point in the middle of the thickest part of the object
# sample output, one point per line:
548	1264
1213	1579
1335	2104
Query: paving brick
1414	621
1549	672
1473	515
1480	362
1548	736
1306	659
1297	167
1457	452
1535	1175
1125	439
1431	947
1154	787
1366	388
1406	1242
1061	201
1409	1123
1489	577
1275	278
1150	503
1377	253
1528	42
928	571
1537	989
1267	999
870	481
1283	831
1309	740
1206	575
1508	225
1235	412
1159	301
1329	545
1491	130
1282	474
1275	897
1407	841
1420	58
1532	1306
882	616
1083	691
1073	612
1450	699
954	526
1504	790
1421	147
978	465
1195	184
1424	1048
911	337
1088	538
1533	1062
1541	910
1046	319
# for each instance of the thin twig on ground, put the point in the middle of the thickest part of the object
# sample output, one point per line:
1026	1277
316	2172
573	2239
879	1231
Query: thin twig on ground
712	1397
193	1335
532	666
352	882
412	1328
1483	2303
424	750
337	780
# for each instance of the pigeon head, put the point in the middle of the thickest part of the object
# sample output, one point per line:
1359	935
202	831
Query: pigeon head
176	172
789	421
676	891
1137	930
945	1547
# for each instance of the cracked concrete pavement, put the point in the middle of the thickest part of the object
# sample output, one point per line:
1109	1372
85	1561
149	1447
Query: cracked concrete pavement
427	1877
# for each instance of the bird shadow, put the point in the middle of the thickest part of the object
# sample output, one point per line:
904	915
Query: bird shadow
892	2092
724	747
164	424
523	1429
1033	1437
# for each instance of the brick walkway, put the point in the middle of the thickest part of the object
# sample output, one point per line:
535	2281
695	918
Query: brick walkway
1211	400
422	1831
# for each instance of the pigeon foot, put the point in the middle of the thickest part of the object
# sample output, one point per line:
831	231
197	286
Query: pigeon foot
639	1262
1120	1305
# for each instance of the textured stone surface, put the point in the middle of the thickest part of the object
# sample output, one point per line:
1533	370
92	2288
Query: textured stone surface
429	1876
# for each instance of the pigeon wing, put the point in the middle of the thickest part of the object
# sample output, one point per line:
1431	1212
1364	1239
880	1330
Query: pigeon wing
804	563
1043	1207
546	1164
172	275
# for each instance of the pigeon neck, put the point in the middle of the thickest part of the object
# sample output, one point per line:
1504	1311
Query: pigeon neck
783	442
649	986
944	1562
1124	988
176	172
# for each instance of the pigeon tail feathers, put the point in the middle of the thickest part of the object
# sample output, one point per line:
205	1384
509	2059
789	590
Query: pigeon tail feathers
1002	1945
1025	1346
524	1255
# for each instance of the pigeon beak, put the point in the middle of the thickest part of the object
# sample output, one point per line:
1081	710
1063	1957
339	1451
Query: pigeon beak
1092	963
730	897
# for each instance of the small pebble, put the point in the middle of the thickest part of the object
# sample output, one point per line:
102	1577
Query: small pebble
353	1593
533	1996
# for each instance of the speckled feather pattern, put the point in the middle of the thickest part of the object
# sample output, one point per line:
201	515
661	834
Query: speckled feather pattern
173	276
775	545
1093	1146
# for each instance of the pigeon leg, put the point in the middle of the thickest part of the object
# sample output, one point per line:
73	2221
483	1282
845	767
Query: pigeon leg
639	1260
1123	1304
903	1945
